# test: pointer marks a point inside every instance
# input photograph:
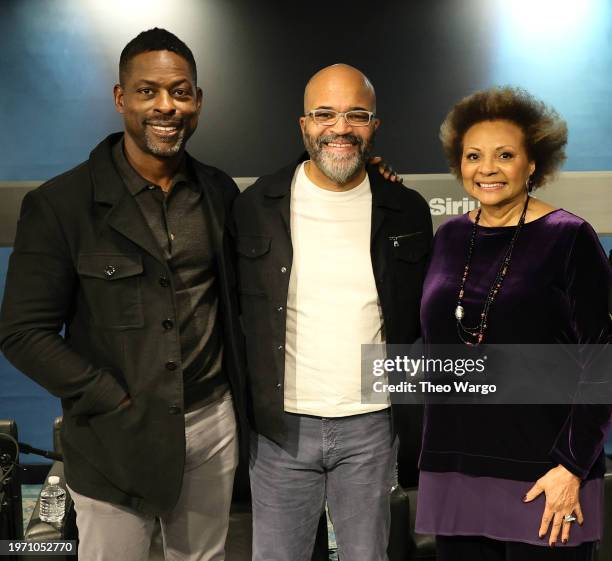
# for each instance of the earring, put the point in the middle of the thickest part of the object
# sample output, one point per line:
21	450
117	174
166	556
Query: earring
529	184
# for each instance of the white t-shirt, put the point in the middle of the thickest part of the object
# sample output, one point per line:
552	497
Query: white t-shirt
332	304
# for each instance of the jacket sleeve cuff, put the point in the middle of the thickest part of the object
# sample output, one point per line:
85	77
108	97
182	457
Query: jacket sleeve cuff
581	439
102	395
568	464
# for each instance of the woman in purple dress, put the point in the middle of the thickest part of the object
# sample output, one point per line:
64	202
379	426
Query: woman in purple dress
510	482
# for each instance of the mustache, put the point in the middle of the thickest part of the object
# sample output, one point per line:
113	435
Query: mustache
327	138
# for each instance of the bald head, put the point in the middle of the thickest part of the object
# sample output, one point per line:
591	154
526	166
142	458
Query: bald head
338	150
339	82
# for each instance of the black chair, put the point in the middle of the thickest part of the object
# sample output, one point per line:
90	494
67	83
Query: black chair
11	516
605	546
406	545
424	548
37	530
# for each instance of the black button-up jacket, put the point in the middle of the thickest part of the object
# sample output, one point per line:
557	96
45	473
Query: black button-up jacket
400	242
85	258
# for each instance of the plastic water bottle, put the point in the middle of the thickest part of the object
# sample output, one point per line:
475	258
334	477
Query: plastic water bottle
52	501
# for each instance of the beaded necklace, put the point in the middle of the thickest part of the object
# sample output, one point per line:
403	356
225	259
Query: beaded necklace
475	335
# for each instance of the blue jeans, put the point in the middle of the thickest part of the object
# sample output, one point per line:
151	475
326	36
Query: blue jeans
349	461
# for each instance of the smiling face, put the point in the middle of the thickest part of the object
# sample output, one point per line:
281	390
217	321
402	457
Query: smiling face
338	152
494	164
160	104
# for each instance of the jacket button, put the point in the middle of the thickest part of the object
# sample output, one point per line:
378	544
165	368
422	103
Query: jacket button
279	386
280	347
167	324
170	365
283	270
174	410
109	271
163	281
279	309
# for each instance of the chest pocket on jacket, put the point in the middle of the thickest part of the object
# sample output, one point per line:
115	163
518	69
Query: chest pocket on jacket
410	248
254	264
111	284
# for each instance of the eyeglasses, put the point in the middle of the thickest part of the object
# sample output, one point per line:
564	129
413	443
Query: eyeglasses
329	117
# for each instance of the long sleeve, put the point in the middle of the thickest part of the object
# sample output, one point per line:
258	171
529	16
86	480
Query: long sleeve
39	297
581	439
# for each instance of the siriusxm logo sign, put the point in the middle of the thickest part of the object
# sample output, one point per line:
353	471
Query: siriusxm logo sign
439	206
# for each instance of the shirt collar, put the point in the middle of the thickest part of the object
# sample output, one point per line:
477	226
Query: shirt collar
135	182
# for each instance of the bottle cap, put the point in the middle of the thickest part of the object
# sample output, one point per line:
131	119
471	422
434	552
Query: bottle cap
53	480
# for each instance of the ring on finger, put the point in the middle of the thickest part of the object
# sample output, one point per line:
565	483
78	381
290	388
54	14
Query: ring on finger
569	518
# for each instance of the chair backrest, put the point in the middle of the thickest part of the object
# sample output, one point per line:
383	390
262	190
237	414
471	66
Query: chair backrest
605	545
11	514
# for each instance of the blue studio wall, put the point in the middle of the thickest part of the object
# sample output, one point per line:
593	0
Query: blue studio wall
23	400
59	62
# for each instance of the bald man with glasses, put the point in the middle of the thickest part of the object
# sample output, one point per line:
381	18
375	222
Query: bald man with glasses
323	268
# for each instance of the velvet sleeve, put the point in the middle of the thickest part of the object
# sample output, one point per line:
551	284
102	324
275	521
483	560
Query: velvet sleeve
588	276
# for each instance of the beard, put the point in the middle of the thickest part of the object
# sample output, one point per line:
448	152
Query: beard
166	148
162	148
340	168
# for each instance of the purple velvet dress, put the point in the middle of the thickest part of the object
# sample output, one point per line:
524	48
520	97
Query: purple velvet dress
555	292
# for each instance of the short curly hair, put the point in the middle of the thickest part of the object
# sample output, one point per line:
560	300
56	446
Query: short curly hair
544	130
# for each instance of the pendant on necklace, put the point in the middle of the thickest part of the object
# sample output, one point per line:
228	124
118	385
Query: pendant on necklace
459	312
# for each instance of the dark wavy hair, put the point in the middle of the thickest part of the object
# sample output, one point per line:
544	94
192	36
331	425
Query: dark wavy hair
545	132
155	39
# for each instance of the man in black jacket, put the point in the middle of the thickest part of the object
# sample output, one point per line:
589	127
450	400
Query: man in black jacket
329	258
128	252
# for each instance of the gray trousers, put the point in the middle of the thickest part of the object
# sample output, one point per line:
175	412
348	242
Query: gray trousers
195	530
348	461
